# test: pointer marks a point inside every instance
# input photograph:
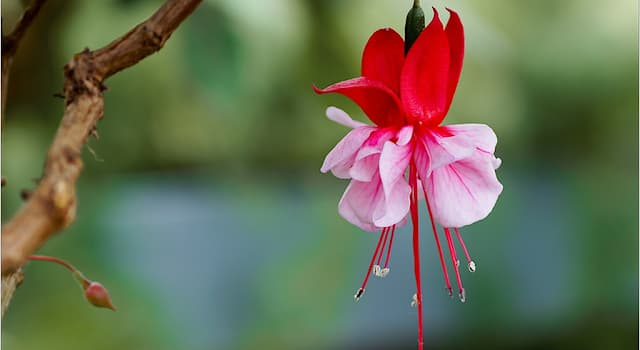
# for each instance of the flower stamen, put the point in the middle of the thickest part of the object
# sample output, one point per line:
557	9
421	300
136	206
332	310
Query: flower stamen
437	239
377	270
360	291
470	263
456	264
385	270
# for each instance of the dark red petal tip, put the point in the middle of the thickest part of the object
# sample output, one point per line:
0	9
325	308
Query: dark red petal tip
317	90
435	13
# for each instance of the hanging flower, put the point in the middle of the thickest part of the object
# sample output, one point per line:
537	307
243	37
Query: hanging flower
408	153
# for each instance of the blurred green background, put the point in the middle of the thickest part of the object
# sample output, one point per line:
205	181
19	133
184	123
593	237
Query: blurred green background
204	212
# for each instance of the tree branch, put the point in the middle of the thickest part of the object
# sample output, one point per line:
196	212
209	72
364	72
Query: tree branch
11	41
52	206
9	284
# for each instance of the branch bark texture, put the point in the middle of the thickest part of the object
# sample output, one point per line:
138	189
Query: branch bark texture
11	41
52	206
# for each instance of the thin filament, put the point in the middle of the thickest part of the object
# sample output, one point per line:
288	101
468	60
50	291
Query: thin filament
464	247
416	249
437	239
393	232
456	262
373	259
385	233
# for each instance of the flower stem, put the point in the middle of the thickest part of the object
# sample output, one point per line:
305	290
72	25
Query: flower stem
84	282
416	248
55	260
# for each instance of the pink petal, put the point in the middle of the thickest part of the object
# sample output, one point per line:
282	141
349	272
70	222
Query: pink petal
480	135
383	58
455	36
341	117
445	145
359	202
396	206
404	135
367	158
463	192
364	204
342	156
394	161
425	75
377	101
365	168
446	148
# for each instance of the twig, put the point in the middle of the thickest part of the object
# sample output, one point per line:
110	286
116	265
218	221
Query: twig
52	206
11	41
9	285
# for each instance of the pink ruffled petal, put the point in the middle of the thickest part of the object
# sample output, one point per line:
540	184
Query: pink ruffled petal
364	204
341	117
396	206
445	145
359	201
394	161
383	57
364	169
480	135
404	135
465	191
342	156
445	149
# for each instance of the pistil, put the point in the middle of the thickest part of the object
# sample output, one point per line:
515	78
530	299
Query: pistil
416	248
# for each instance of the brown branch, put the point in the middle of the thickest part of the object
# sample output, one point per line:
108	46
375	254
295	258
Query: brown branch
52	206
9	284
11	41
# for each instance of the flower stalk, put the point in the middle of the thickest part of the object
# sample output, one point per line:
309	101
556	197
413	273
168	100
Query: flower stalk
94	292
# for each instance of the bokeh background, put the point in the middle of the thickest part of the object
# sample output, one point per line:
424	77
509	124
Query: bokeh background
202	208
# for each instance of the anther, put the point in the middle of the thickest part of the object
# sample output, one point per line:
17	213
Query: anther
414	300
472	266
376	270
358	294
450	291
463	295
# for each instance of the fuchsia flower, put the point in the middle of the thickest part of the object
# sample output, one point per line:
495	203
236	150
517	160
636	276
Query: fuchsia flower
407	153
